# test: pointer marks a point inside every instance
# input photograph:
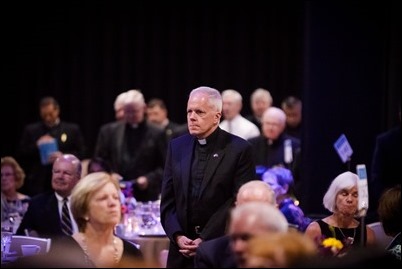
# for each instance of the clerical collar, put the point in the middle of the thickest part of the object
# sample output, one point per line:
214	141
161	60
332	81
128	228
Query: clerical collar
210	139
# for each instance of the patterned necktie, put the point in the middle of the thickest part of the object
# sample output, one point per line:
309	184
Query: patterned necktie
66	225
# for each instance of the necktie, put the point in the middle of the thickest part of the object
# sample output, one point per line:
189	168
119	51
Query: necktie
66	226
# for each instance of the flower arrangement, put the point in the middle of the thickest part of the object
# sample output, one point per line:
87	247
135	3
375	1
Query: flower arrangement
332	246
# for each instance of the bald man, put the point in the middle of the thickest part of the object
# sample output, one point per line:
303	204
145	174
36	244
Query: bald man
43	216
217	253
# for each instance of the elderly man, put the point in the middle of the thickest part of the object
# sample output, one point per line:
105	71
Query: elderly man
217	253
44	216
135	149
234	122
274	147
203	172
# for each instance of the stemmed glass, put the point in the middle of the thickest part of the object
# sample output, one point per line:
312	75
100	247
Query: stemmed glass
6	236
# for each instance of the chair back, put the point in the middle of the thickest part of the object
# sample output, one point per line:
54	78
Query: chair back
381	238
19	240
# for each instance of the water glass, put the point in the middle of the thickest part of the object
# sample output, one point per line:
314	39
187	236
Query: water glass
6	236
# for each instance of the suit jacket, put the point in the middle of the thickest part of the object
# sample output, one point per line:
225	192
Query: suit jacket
69	140
230	166
215	253
271	155
42	216
148	160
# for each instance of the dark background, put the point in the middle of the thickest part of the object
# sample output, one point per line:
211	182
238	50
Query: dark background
342	58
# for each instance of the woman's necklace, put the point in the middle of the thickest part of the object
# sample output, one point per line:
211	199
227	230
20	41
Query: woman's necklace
349	240
87	256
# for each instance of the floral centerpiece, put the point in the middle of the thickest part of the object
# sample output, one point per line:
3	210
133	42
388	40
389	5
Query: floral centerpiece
332	246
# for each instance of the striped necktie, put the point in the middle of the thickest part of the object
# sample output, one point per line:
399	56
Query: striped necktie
66	225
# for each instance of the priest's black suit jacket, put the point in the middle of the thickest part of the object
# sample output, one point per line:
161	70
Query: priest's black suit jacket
230	165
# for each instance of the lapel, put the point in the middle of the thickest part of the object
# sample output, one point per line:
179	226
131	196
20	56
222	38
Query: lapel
121	128
187	156
215	159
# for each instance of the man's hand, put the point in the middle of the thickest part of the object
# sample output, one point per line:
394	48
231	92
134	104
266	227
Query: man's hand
187	246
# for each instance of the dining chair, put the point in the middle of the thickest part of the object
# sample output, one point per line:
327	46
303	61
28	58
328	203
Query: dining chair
18	240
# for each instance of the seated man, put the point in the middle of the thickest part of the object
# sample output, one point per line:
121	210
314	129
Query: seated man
217	253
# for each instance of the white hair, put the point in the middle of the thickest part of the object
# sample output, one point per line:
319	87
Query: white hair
134	96
274	112
344	181
261	94
214	96
232	95
261	214
119	101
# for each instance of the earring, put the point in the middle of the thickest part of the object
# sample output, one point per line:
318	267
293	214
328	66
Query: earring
86	218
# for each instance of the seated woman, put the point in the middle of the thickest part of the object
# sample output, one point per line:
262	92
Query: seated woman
281	180
96	207
13	203
341	199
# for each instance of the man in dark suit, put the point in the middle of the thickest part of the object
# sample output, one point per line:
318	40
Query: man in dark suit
203	172
217	253
135	149
276	148
68	137
43	216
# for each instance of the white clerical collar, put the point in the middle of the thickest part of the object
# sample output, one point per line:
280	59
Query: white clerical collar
202	141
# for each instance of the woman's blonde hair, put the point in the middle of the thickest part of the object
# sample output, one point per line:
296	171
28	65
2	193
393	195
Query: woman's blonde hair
83	192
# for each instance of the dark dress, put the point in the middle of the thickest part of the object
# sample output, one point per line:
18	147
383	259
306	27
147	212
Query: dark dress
350	237
65	252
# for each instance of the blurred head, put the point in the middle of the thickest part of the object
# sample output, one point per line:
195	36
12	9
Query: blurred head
252	219
12	174
157	113
204	110
292	106
342	195
98	164
49	110
279	250
255	191
279	178
389	210
119	106
134	107
232	104
96	200
260	101
66	173
273	123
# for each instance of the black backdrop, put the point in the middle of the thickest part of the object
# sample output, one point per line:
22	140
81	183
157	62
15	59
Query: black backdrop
341	58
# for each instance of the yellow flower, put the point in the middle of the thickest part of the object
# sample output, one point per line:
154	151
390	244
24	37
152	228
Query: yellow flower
332	243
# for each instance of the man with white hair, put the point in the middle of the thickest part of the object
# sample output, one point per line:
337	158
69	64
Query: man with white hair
274	147
217	253
135	149
260	100
234	122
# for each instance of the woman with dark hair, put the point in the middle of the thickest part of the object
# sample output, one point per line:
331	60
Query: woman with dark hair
389	212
